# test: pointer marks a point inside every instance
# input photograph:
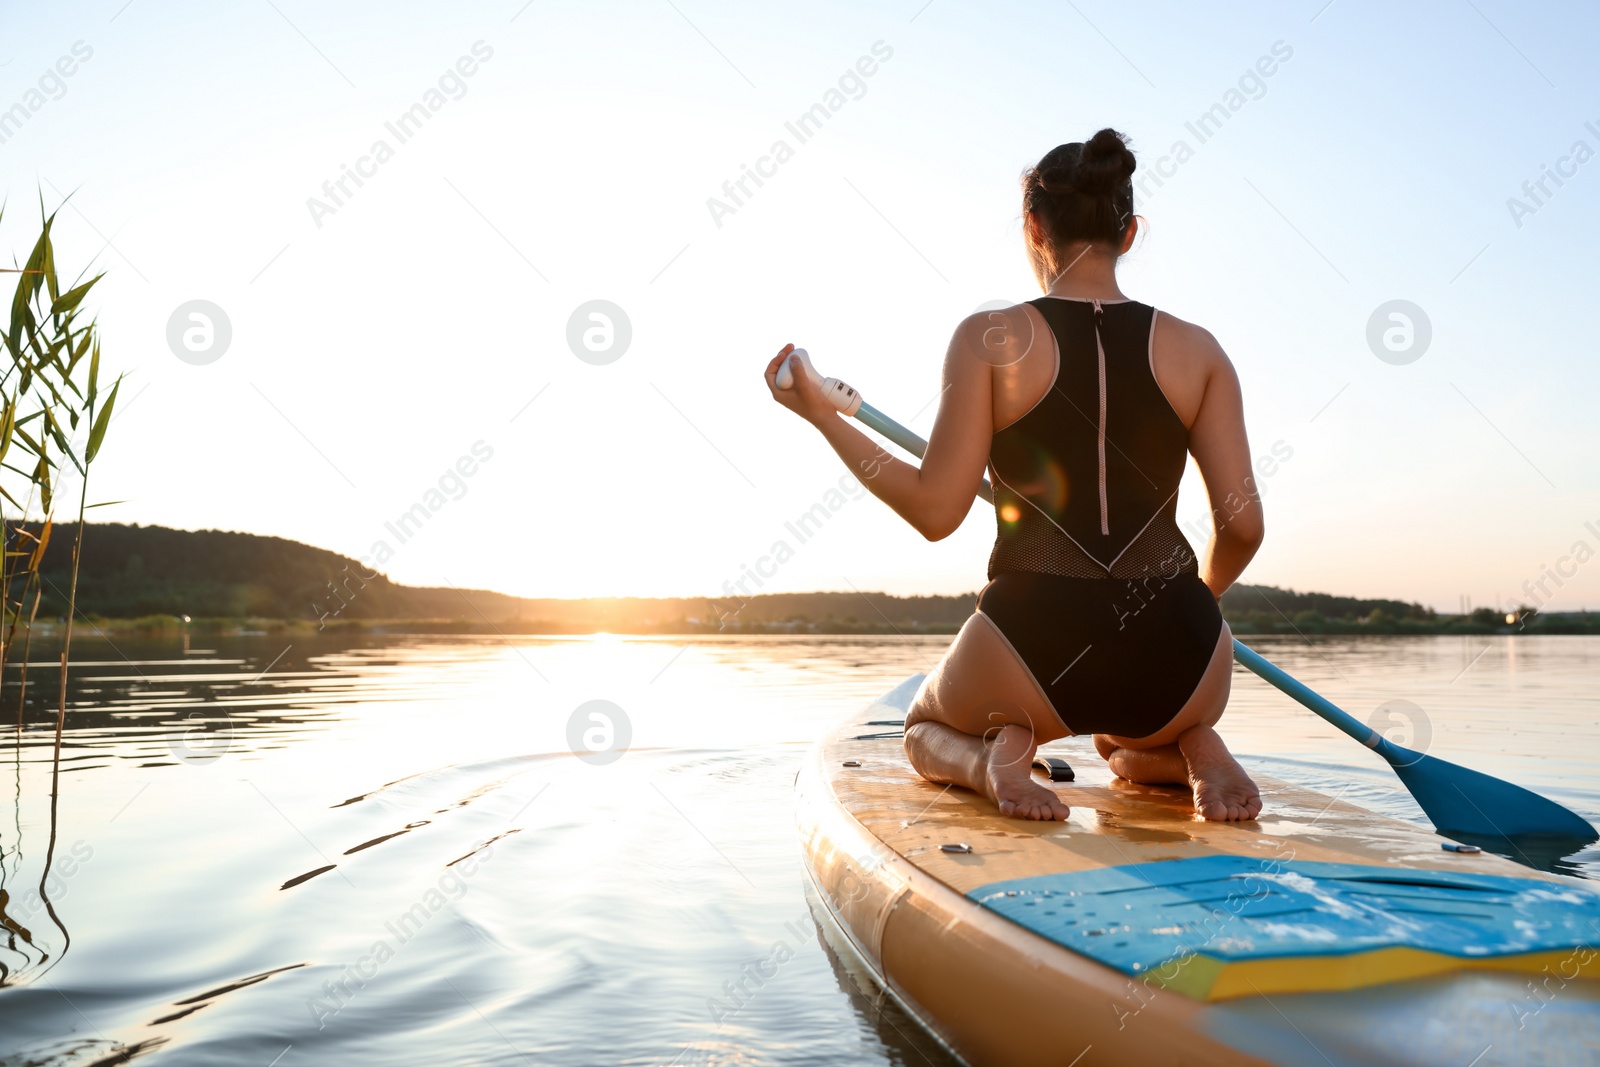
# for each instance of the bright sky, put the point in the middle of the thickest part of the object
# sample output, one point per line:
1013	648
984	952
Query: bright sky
378	338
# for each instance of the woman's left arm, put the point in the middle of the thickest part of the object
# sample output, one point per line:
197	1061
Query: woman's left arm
936	497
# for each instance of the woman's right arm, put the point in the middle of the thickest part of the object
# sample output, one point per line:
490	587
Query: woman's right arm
1222	451
937	495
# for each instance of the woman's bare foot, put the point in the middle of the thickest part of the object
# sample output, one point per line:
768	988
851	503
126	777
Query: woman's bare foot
1000	768
1008	778
1150	766
1223	792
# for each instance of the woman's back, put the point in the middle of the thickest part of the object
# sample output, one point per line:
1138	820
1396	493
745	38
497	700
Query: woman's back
1169	391
1086	481
1091	580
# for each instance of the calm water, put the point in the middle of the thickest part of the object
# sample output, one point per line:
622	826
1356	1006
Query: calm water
385	852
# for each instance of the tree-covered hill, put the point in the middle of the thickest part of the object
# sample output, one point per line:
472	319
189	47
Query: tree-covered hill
131	572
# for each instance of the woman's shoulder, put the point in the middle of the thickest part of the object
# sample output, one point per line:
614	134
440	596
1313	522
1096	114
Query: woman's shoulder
1188	341
1187	362
1000	335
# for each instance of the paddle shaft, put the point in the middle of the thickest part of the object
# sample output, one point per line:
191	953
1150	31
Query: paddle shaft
1280	679
891	429
907	440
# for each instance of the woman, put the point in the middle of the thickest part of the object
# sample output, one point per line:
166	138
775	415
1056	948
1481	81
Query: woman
1098	618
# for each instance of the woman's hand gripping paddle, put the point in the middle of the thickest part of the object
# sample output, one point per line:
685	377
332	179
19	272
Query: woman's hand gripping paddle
1455	799
849	403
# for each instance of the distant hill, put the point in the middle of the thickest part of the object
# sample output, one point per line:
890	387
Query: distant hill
138	572
1245	600
131	572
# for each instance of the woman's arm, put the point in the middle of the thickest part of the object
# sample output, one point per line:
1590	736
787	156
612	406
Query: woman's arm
1222	451
935	498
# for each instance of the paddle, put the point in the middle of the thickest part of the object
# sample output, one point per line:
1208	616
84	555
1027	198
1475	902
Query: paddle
1455	799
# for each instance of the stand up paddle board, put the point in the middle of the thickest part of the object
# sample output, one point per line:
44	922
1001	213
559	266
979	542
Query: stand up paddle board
1135	933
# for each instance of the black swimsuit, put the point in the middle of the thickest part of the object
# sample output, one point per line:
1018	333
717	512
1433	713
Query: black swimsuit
1091	580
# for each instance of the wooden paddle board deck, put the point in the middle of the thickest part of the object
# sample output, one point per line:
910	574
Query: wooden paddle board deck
1135	933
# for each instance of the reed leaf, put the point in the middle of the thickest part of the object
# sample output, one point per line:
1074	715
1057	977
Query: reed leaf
48	265
94	376
97	433
28	283
41	478
27	438
44	543
70	299
8	425
63	443
83	346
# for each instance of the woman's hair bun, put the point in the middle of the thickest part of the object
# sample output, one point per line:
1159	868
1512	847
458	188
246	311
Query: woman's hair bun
1082	191
1106	164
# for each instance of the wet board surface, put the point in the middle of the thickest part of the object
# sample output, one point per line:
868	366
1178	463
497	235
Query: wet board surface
1318	898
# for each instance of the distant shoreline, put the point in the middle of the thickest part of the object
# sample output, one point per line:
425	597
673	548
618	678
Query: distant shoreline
148	579
1559	623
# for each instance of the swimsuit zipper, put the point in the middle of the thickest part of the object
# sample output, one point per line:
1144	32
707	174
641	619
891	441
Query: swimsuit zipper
1100	353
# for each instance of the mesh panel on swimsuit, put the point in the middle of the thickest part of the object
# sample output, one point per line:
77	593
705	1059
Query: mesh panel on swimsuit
1042	548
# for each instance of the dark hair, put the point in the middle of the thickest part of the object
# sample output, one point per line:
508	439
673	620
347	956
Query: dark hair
1083	191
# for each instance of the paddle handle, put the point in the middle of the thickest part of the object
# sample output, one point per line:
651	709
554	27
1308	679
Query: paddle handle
1318	703
849	403
844	398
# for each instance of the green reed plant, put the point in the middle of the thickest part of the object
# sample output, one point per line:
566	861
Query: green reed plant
53	421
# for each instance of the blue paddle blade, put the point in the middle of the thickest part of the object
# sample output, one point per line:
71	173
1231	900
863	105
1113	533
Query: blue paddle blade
1456	800
1462	801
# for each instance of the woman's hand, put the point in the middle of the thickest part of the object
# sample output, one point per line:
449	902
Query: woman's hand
806	398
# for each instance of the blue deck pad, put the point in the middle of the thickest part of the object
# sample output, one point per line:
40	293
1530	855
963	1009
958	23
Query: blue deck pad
1233	908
